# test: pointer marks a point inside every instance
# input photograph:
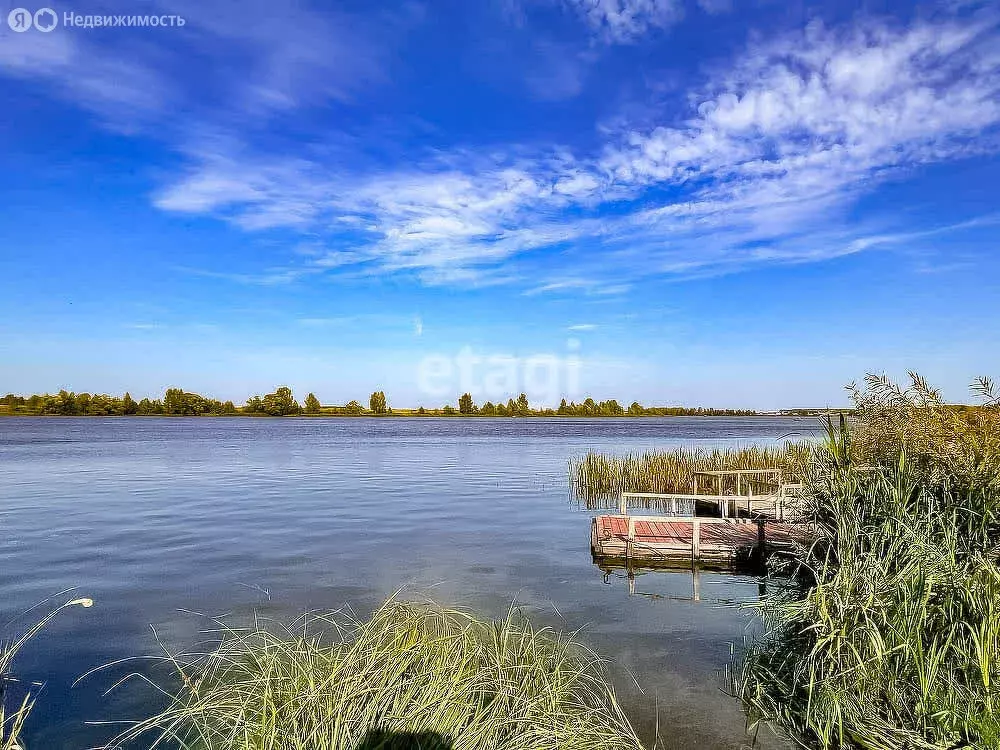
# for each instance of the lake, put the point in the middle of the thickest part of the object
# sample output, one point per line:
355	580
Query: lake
161	519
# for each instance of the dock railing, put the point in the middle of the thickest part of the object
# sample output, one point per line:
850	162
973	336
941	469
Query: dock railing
774	476
675	498
729	505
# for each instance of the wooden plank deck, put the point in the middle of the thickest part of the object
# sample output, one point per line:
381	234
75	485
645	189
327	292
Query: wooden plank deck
671	541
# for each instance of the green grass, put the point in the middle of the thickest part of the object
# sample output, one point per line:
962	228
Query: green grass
892	642
410	676
602	476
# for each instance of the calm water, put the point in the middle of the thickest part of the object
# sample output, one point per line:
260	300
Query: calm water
159	518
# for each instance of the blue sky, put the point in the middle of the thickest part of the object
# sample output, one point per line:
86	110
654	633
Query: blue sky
682	201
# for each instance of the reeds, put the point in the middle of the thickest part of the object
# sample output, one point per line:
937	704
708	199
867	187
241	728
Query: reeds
12	720
893	642
602	476
412	676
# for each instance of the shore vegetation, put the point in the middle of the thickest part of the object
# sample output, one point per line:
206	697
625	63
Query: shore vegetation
602	476
890	637
411	676
176	402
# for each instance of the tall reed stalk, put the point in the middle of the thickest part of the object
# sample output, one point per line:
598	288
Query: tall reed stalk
602	476
893	641
12	719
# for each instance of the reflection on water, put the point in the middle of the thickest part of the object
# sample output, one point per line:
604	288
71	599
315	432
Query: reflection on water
642	582
158	518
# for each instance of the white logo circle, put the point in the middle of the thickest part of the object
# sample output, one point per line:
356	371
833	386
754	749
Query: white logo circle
19	19
46	19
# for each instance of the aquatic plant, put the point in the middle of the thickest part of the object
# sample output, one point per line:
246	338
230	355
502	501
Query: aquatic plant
410	676
602	476
893	641
12	720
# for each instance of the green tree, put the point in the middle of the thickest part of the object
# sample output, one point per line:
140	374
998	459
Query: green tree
355	409
65	403
129	406
82	401
182	403
448	410
465	404
610	408
522	405
635	409
488	409
255	405
312	404
281	403
12	401
147	407
103	405
377	403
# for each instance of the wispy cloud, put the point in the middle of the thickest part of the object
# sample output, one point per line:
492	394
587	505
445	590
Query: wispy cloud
366	320
773	151
252	62
716	6
757	164
582	327
622	21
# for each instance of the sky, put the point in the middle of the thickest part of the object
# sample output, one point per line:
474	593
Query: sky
707	202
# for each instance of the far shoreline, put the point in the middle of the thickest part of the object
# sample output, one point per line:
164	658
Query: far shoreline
308	417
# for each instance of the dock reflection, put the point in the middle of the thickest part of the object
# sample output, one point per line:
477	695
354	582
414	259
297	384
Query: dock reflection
634	576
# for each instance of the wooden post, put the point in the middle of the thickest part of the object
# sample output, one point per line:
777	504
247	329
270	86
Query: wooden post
629	539
696	583
761	541
739	484
623	505
695	540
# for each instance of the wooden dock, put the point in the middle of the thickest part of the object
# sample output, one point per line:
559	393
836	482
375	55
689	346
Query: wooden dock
672	541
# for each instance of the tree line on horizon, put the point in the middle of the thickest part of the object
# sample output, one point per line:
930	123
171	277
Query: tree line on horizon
281	402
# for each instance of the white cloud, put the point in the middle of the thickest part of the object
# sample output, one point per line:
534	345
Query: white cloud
123	92
775	148
757	165
715	7
250	62
626	20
